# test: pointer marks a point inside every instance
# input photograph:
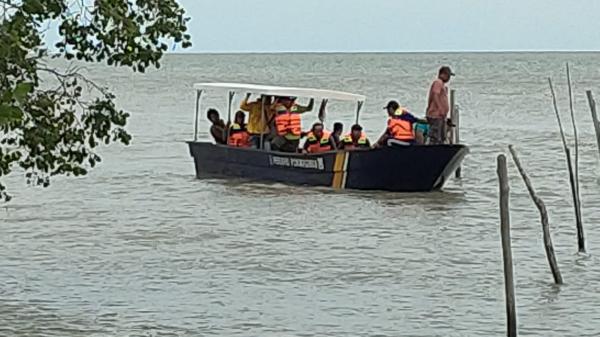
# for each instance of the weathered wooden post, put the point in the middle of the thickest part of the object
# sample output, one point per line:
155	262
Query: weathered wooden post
577	204
452	103
456	123
509	286
572	179
549	247
575	133
455	129
592	104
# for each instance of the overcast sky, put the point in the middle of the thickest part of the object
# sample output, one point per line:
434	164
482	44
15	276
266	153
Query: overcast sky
393	25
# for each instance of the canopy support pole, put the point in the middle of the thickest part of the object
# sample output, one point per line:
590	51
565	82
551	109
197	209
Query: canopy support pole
262	122
229	103
358	108
198	98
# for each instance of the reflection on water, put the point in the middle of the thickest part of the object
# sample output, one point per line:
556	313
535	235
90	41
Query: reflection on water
139	247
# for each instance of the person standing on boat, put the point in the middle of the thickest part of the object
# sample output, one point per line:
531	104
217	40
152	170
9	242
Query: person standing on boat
260	116
217	129
355	140
238	135
288	123
438	106
318	140
400	125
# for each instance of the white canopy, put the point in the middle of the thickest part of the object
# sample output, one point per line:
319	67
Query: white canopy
281	91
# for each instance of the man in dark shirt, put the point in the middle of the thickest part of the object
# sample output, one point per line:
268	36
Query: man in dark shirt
338	128
217	129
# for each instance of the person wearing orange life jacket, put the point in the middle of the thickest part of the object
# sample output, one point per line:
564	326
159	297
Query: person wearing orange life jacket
355	140
288	124
288	130
294	109
400	125
238	135
318	140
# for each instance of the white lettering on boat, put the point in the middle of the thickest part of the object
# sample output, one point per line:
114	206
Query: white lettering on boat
279	161
312	164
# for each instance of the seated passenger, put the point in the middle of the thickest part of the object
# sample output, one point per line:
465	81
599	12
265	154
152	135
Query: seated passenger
336	135
238	135
399	126
421	132
355	140
217	129
318	140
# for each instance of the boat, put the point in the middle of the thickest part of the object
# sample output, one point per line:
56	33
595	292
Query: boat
396	168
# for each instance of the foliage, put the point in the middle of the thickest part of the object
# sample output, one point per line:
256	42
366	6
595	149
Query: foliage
51	119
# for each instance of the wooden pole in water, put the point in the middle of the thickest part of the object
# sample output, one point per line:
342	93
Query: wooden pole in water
576	203
592	104
572	181
456	123
509	285
454	130
575	134
452	103
548	246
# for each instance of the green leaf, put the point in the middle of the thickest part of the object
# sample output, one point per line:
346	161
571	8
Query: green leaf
9	114
21	91
52	137
33	6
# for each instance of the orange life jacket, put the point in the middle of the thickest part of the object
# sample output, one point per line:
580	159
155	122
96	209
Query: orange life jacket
400	129
295	126
360	144
281	123
318	145
288	123
238	136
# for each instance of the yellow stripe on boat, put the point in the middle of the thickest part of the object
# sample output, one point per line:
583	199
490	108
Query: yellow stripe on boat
345	169
339	170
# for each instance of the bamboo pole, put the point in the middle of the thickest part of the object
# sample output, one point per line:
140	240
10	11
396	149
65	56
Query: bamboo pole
548	246
592	104
509	286
572	181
